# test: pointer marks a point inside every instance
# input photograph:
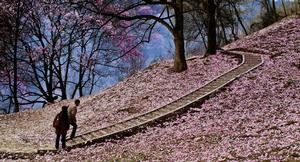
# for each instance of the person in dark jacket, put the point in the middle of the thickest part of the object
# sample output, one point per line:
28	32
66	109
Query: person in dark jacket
61	125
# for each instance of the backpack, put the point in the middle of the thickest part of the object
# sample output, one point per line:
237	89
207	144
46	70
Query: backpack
61	123
56	121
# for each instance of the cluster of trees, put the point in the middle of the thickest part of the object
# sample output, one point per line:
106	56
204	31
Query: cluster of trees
56	48
272	11
176	16
51	50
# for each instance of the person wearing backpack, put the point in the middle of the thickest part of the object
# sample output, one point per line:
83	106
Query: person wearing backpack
61	125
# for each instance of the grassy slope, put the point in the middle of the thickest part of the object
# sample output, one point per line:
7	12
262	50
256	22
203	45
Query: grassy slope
146	90
255	118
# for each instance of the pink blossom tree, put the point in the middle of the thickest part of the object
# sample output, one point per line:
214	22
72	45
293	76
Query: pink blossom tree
14	12
143	17
62	52
170	14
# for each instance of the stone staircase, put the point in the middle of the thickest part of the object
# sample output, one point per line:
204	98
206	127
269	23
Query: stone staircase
249	62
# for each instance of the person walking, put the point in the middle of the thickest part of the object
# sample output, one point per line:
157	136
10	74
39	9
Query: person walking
72	117
61	125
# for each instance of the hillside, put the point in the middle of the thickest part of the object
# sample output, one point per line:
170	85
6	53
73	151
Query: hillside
254	118
146	90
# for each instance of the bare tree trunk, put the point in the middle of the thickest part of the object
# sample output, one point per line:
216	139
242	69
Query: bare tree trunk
68	62
297	6
200	28
239	18
212	33
224	32
233	32
266	5
203	40
92	87
80	76
51	74
179	58
81	66
284	9
15	60
10	102
223	27
274	10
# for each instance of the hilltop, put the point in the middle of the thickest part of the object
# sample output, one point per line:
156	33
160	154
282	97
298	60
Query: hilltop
254	118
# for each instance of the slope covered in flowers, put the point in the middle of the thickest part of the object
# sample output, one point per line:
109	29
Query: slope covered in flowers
256	118
275	40
146	90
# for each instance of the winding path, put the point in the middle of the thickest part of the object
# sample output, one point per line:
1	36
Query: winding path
250	61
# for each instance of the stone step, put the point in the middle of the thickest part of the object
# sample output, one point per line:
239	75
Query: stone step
119	126
202	90
84	138
253	60
236	72
199	93
135	121
156	112
75	141
208	89
194	96
247	64
114	128
224	79
101	132
233	74
149	115
190	98
94	134
178	103
215	85
125	124
106	130
163	111
169	107
240	71
89	136
144	118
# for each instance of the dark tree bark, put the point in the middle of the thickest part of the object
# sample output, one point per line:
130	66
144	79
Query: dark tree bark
15	59
212	33
179	58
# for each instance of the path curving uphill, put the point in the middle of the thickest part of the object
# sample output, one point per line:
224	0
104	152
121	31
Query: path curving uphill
250	61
